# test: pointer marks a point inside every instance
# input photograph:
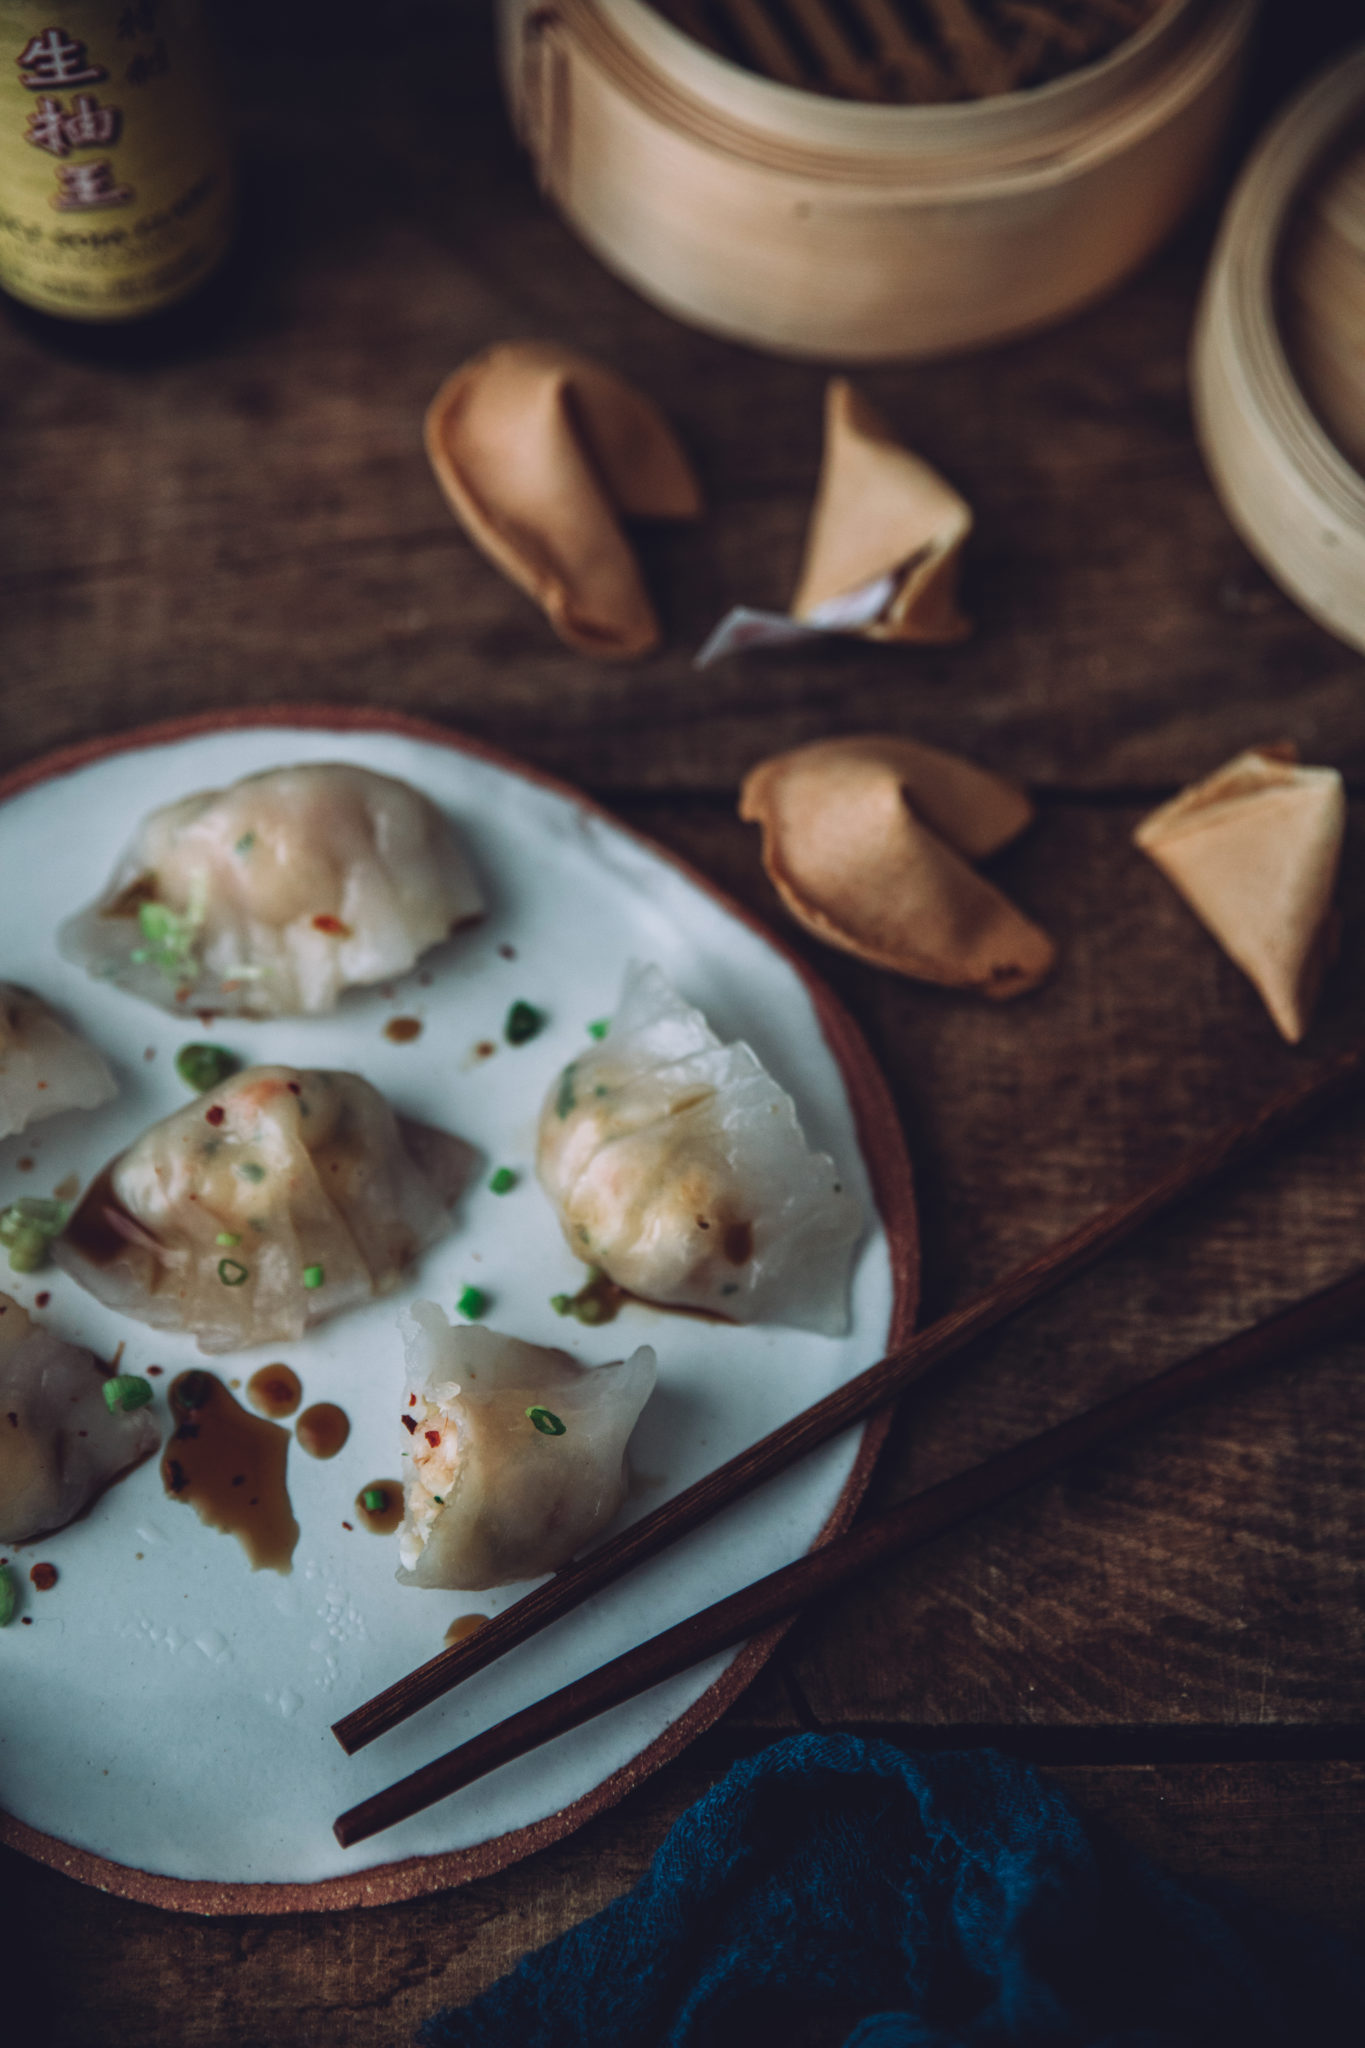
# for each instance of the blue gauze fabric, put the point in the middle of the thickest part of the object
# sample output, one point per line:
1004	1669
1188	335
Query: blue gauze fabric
958	1900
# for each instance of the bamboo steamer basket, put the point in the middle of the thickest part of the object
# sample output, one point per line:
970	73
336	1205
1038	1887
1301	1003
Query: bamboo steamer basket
829	228
1279	270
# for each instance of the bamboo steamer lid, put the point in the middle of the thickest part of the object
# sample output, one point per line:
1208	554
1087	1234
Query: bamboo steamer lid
834	229
1278	367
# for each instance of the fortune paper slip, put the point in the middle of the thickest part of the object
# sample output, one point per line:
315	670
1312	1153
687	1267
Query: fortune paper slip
542	453
1254	850
868	843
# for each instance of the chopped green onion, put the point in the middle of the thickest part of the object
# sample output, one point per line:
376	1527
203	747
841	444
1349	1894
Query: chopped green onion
439	1499
523	1022
245	843
170	936
503	1181
193	1390
228	1237
374	1500
545	1422
232	1272
313	1276
561	1303
126	1391
589	1308
251	1170
9	1599
600	1028
204	1066
26	1227
472	1303
564	1100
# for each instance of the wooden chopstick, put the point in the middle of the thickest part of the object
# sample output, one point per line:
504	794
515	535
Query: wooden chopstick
915	1521
1232	1147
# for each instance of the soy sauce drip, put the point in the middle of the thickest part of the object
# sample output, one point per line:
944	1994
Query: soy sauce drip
230	1467
381	1521
322	1429
274	1390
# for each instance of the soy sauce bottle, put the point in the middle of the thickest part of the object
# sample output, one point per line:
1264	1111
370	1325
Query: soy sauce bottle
116	189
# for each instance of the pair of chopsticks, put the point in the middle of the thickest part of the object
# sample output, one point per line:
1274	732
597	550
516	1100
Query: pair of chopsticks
915	1521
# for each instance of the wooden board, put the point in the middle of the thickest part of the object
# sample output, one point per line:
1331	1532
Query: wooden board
255	522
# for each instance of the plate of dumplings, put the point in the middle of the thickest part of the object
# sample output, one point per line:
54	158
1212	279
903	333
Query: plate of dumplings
408	1175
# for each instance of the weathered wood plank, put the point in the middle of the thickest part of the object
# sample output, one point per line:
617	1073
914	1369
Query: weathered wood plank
1209	1574
129	1976
255	521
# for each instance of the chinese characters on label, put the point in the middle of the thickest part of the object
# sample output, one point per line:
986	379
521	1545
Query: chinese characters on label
54	58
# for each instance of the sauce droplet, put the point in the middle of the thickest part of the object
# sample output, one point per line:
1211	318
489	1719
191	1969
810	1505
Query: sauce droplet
402	1030
462	1626
322	1429
381	1521
274	1390
230	1467
44	1577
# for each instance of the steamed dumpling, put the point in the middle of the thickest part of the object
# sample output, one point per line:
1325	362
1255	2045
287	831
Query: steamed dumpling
274	1200
59	1444
269	898
678	1168
517	1454
44	1065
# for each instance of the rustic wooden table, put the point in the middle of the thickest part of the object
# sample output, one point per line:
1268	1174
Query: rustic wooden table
1176	1630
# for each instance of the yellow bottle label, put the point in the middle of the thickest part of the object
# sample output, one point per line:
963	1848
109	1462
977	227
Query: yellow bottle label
115	178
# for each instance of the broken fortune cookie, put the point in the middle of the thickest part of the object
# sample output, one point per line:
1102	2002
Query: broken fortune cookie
541	453
1254	850
868	842
883	522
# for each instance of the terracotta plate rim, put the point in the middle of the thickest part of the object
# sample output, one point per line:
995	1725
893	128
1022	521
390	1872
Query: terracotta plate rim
888	1166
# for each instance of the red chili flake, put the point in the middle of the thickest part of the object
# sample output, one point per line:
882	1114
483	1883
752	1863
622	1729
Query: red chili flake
207	1017
27	1620
412	1400
42	1300
44	1577
157	1369
350	1526
294	1088
24	1165
42	1084
333	926
215	1115
408	1421
433	1437
182	995
508	952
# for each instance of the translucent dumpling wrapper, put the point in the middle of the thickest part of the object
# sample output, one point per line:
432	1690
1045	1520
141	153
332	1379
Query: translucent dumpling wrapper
270	898
678	1168
541	454
516	1453
869	842
275	1200
1254	849
59	1444
45	1066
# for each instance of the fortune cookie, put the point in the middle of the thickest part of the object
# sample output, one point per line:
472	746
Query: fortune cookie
541	454
881	515
1254	850
867	842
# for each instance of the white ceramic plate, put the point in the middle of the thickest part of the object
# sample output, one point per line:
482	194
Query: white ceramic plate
167	1710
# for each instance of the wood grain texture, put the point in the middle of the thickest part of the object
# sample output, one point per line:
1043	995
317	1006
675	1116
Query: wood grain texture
117	1974
256	519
